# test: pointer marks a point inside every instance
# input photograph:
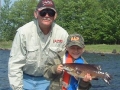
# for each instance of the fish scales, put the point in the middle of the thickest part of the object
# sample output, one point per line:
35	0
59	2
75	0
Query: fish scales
80	70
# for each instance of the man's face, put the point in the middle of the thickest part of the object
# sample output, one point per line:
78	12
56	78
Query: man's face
46	16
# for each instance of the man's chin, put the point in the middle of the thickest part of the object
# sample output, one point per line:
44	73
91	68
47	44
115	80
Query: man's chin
47	23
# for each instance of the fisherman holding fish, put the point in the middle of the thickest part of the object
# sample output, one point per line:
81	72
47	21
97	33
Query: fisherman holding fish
54	71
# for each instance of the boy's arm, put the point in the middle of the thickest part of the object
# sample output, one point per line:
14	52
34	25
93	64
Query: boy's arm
51	65
50	70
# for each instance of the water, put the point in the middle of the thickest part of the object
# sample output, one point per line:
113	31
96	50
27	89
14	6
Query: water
108	62
4	55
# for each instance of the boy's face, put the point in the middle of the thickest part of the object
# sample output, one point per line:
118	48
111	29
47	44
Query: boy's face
75	51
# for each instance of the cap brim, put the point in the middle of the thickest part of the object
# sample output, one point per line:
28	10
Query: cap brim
77	44
39	9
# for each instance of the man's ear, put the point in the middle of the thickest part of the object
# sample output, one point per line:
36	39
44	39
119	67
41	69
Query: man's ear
35	14
55	16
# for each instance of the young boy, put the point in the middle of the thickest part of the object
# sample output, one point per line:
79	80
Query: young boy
60	79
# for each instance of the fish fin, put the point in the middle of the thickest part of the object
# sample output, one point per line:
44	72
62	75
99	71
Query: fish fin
107	78
98	67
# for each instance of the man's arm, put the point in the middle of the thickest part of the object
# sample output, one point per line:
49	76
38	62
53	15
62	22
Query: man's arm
15	64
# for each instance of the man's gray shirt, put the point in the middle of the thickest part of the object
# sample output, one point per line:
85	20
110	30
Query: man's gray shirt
30	50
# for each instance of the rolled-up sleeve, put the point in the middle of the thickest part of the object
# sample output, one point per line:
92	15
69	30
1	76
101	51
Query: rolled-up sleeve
16	62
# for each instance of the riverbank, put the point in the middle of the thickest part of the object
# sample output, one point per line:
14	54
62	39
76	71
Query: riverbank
93	48
96	52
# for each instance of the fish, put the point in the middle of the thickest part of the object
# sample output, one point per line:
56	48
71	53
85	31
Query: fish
80	70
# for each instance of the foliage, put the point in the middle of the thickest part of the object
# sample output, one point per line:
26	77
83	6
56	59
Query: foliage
22	12
14	16
97	20
5	23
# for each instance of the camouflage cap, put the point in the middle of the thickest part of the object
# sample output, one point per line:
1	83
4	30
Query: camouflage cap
43	4
75	39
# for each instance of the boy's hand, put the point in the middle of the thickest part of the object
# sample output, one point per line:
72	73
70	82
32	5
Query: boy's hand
87	78
59	69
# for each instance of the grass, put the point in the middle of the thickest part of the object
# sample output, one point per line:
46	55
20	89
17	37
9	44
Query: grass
5	44
102	48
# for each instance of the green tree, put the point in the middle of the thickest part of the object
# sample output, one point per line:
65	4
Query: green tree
79	16
110	26
5	24
22	11
14	16
97	20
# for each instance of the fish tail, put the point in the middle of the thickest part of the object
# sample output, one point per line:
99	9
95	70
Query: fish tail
107	78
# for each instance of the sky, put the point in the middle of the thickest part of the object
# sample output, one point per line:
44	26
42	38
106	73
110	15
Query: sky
2	2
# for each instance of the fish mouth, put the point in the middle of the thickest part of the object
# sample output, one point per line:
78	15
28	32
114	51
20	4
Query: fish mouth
67	69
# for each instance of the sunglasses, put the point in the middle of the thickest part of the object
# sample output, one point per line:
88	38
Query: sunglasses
50	12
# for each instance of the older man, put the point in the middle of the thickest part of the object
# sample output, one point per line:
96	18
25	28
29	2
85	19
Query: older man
32	45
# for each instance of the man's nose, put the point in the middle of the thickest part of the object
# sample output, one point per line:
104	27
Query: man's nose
47	15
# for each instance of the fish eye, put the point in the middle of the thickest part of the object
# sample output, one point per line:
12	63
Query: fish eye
76	68
78	72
